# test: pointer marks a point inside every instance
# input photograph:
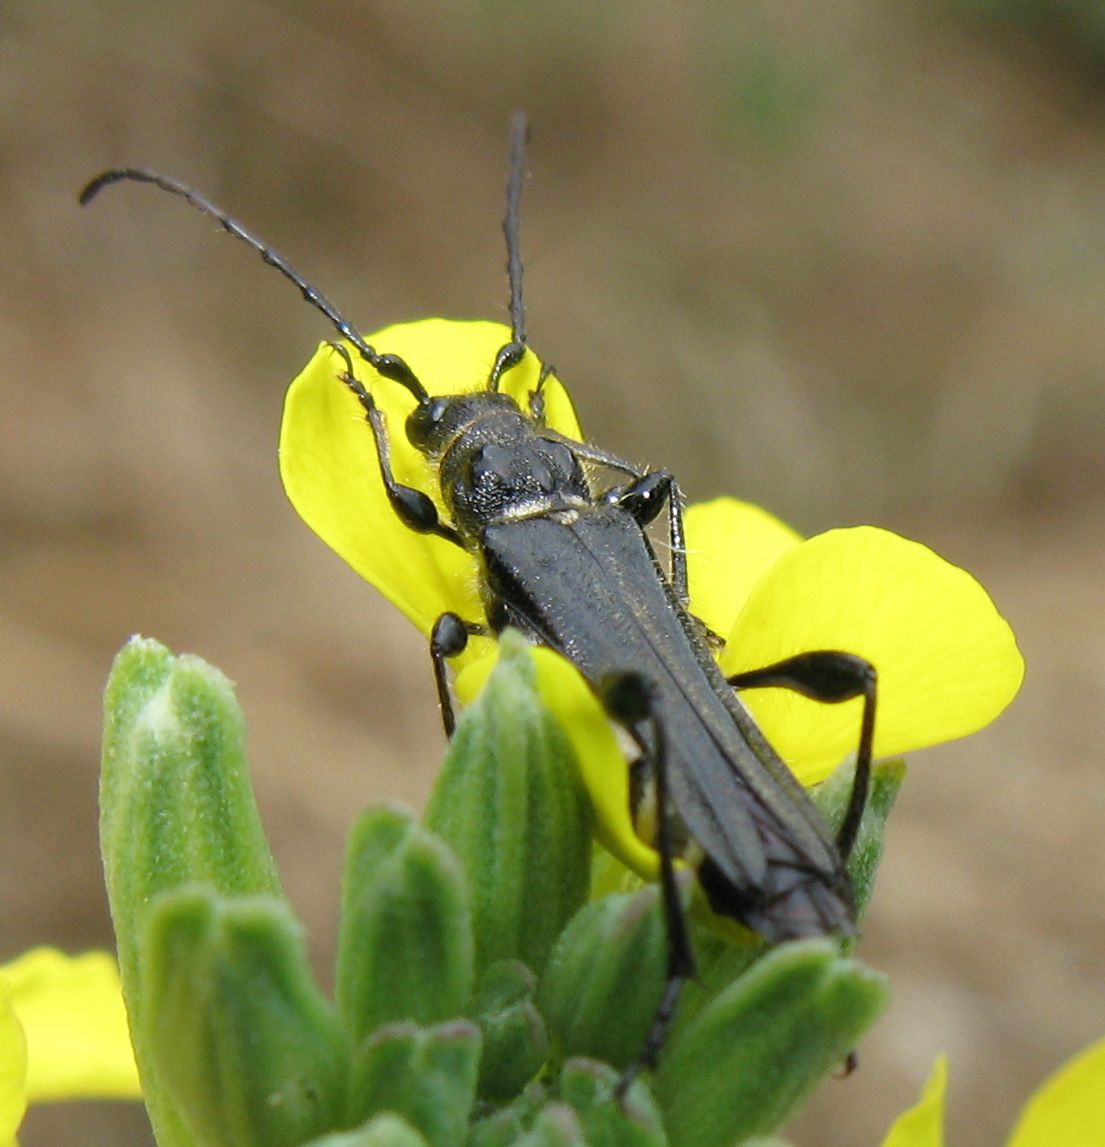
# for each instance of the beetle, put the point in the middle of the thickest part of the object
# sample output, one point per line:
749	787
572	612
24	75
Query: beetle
569	562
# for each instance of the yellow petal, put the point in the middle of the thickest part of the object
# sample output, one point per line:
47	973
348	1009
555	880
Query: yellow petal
13	1067
729	545
71	1009
947	661
331	472
1069	1109
923	1124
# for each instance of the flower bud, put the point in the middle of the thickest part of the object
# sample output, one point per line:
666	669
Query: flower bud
405	944
633	1121
557	1125
239	1035
381	1131
425	1075
832	797
515	1043
176	807
740	1066
605	976
509	802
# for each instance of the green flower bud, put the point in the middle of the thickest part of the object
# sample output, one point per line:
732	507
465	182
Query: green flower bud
426	1075
502	1127
831	798
509	801
238	1034
588	1087
381	1131
515	1043
176	804
557	1125
606	975
405	944
746	1059
175	807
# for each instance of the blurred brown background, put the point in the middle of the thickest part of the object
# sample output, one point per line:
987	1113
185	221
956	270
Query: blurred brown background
847	260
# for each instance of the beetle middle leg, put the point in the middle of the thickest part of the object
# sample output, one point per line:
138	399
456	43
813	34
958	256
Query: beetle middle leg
448	638
644	497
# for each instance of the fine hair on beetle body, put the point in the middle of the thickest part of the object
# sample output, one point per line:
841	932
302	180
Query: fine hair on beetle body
570	564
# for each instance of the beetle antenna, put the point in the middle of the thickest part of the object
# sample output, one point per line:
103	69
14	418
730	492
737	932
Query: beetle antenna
390	366
514	351
519	137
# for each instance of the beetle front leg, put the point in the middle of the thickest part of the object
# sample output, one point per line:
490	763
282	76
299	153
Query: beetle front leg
415	509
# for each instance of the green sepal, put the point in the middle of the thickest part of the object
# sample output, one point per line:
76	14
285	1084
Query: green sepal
405	948
238	1033
381	1131
510	803
176	806
743	1063
515	1043
634	1121
426	1075
831	798
605	977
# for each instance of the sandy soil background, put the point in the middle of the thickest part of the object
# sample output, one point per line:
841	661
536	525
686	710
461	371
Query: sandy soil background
847	260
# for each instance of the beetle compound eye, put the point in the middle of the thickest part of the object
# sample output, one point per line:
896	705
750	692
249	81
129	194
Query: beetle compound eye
424	422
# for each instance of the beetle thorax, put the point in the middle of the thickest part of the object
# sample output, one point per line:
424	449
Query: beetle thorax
497	466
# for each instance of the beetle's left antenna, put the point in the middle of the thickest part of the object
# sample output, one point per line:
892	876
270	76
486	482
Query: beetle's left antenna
390	366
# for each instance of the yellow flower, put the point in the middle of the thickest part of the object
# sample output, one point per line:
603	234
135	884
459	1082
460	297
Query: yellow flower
1067	1110
63	1034
947	661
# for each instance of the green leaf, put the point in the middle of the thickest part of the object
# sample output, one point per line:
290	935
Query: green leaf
509	802
405	947
236	1029
741	1066
426	1075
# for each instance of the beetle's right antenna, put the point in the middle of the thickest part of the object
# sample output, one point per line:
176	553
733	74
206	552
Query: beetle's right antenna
511	354
519	137
390	366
